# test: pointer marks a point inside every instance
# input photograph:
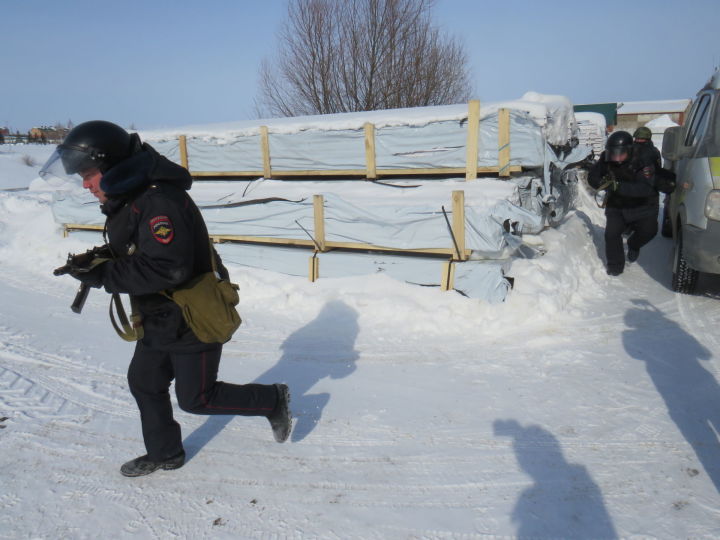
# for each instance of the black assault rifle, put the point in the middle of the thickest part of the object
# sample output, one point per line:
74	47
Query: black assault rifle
80	263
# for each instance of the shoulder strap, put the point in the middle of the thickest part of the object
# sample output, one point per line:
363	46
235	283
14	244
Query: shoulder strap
131	330
212	256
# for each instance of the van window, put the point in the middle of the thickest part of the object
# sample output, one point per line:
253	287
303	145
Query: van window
699	121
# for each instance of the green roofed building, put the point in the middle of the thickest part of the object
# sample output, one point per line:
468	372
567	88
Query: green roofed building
608	110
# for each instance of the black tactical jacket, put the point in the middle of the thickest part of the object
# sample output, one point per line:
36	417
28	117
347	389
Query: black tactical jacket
158	237
635	180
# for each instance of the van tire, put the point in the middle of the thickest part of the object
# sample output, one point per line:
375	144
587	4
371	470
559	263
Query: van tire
684	278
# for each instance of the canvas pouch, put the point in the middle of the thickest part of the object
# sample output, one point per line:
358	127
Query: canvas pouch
208	307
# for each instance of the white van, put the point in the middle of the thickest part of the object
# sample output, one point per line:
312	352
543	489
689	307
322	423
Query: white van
692	151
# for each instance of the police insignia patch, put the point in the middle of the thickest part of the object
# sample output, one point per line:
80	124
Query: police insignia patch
162	229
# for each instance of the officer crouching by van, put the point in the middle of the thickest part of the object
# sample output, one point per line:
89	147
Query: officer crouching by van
627	173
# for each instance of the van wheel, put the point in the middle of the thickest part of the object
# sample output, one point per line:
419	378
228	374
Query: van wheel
684	277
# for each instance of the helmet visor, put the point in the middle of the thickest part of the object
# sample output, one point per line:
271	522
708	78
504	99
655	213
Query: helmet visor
618	153
65	165
54	173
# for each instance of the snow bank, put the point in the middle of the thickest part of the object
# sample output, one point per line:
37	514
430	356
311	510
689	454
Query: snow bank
20	163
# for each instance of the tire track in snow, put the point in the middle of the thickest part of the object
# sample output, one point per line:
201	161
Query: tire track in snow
39	384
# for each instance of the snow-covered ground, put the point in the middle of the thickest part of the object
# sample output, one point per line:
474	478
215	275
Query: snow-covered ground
583	407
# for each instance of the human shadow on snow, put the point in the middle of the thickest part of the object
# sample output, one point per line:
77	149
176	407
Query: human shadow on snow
564	501
323	348
690	391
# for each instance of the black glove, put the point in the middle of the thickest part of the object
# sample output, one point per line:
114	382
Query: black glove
93	277
610	183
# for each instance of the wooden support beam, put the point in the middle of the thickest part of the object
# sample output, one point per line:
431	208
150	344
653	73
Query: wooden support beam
504	142
471	146
69	227
370	151
319	218
182	144
351	172
297	242
458	222
447	280
314	268
265	147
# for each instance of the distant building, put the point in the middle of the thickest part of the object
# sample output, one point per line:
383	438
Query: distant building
634	114
630	115
47	134
608	110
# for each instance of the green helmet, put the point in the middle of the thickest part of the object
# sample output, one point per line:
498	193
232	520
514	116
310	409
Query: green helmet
643	133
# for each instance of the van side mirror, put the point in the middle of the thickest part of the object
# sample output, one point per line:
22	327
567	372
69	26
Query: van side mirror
671	138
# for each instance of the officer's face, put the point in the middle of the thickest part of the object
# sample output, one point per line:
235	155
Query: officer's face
91	181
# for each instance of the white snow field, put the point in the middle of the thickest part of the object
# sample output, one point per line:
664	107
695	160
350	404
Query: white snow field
583	406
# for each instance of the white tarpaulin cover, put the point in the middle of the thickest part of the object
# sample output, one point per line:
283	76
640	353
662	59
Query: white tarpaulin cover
497	212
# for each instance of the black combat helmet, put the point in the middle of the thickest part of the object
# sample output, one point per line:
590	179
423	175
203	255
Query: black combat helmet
95	144
619	144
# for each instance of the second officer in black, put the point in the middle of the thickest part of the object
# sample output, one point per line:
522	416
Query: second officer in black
628	175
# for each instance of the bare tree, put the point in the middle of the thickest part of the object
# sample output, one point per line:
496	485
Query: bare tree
356	55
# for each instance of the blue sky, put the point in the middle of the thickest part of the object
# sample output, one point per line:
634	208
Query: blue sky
164	63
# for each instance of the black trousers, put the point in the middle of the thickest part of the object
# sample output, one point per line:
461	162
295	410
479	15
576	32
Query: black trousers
197	389
641	221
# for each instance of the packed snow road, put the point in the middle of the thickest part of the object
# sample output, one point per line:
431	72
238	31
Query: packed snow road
584	407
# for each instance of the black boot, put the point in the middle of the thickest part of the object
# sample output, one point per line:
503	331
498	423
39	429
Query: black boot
142	465
633	254
281	419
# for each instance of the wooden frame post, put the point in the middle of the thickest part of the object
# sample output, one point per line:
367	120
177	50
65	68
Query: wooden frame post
447	282
458	222
504	142
265	147
471	146
182	144
370	151
319	218
314	268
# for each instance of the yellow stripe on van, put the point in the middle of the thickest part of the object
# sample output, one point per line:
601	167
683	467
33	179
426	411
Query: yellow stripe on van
715	166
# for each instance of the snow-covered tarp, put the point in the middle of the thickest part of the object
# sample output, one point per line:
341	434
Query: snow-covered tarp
407	215
408	218
553	114
414	138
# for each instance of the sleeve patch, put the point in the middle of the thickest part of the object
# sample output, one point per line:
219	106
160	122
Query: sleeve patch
162	229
